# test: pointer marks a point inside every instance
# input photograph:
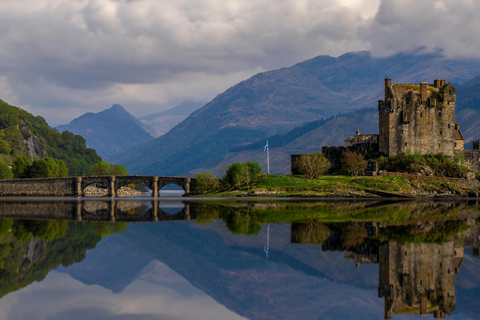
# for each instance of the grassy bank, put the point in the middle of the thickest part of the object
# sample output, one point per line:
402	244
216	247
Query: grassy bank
336	185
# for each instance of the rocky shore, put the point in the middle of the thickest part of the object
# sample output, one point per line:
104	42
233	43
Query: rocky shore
122	192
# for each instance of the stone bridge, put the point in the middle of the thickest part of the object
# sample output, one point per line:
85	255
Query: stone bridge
75	186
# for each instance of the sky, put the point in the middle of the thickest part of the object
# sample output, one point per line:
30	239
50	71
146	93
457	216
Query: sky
60	59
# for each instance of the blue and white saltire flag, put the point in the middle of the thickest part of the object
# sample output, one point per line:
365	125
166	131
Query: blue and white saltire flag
266	251
266	146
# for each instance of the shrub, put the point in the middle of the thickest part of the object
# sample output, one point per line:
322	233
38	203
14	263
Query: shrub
103	168
311	165
353	162
206	182
20	165
5	172
242	173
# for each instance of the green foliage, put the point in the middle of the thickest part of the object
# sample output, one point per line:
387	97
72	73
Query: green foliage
108	228
103	168
441	164
46	168
5	171
5	226
310	231
242	173
311	165
20	166
5	147
17	125
206	182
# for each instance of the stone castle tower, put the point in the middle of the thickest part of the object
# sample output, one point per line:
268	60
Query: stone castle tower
419	117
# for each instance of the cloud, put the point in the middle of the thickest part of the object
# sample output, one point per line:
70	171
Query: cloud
62	58
449	25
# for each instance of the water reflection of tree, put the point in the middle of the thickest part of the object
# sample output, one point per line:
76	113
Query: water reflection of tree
30	249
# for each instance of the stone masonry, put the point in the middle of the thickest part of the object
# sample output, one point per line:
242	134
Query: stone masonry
418	117
74	186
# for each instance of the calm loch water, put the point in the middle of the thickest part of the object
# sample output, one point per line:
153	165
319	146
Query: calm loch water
143	259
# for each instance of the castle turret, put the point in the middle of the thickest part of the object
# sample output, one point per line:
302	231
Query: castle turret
388	84
423	91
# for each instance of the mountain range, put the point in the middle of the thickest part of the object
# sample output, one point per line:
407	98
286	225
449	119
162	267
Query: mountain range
115	130
275	102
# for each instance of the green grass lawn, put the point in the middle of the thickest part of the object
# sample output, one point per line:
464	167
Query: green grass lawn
338	184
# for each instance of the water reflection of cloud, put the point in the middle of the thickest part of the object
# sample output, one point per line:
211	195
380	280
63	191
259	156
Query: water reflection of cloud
74	300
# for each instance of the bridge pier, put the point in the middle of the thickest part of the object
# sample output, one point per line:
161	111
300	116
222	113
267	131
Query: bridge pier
78	187
187	185
155	187
111	186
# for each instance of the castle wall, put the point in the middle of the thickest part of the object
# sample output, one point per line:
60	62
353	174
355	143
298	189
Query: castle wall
417	118
472	158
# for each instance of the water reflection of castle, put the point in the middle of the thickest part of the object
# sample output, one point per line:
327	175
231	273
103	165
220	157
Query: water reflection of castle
413	278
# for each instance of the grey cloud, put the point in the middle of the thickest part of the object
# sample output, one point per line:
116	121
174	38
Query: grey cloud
92	53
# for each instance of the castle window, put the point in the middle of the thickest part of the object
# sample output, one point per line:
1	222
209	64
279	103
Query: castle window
405	144
439	114
455	144
449	126
421	114
402	131
441	132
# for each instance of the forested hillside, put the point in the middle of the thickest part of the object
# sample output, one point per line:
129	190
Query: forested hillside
22	134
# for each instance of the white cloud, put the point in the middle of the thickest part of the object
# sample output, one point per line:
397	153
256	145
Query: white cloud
62	58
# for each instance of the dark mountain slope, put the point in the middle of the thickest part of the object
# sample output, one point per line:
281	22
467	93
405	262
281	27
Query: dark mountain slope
275	102
308	138
22	134
110	132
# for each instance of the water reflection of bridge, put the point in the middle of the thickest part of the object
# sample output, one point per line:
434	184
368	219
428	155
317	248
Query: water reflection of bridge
95	210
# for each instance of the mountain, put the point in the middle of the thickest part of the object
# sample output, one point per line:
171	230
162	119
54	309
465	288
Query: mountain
332	132
277	101
23	134
110	132
308	138
162	122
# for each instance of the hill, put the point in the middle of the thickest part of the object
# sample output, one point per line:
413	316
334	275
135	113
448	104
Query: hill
22	134
110	132
277	101
162	122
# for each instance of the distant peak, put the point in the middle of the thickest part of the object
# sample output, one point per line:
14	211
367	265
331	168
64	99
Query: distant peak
116	106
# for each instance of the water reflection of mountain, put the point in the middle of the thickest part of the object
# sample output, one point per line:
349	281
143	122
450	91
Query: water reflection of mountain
302	281
315	279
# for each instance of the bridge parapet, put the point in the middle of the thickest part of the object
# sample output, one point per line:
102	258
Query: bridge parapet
75	186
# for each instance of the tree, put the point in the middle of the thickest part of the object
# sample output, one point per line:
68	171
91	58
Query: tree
20	165
5	172
353	162
46	168
206	182
242	173
103	168
312	165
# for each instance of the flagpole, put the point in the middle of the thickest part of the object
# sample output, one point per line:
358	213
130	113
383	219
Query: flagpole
268	162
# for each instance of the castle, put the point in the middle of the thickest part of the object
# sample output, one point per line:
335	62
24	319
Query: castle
413	118
419	117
